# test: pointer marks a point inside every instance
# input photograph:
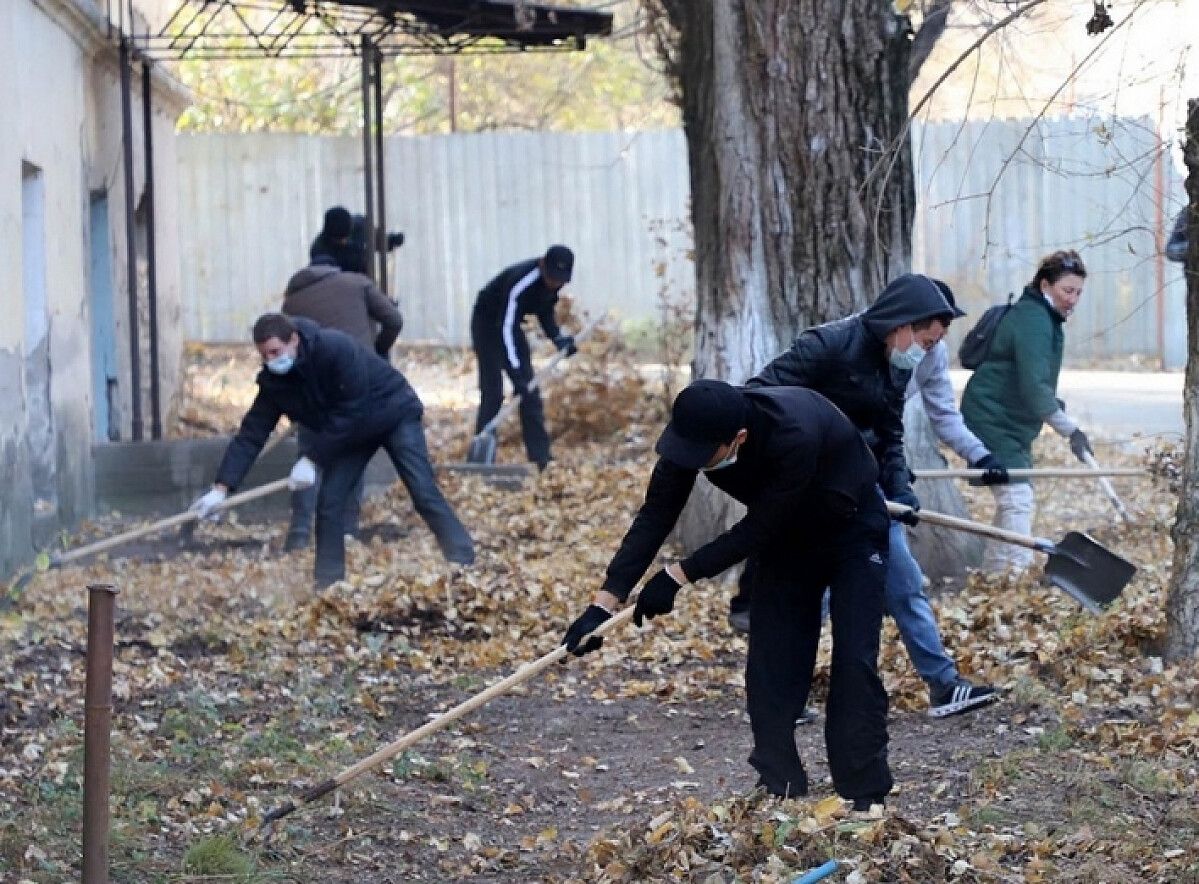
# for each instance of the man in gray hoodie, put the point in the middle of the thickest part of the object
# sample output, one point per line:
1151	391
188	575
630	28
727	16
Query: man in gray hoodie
348	302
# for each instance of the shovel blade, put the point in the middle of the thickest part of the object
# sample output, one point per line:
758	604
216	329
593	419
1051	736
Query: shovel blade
1091	573
482	449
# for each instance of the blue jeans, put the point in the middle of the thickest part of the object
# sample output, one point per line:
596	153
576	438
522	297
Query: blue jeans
406	447
907	603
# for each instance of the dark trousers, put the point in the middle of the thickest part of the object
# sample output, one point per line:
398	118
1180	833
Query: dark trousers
493	363
789	581
406	447
303	502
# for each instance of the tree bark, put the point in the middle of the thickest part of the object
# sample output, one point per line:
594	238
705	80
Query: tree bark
1182	598
802	192
789	109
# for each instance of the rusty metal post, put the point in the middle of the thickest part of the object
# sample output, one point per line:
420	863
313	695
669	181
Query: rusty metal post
97	726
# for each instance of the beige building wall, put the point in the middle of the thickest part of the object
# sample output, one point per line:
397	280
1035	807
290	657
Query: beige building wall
61	174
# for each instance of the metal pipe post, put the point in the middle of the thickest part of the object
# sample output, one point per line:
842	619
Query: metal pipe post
368	180
151	262
381	237
97	727
135	373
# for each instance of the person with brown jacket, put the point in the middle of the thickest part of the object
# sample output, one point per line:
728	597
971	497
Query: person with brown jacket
348	302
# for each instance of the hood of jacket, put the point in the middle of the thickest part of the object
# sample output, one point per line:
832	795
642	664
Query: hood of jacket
311	274
906	299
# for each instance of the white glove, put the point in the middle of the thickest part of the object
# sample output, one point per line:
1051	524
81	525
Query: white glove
303	475
205	506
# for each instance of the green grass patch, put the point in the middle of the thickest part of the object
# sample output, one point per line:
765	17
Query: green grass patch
220	857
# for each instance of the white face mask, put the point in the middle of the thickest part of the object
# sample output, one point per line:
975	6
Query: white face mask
281	364
907	360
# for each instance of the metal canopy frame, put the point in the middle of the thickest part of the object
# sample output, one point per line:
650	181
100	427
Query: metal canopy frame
245	29
211	30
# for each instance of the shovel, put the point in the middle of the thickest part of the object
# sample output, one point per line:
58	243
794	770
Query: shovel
46	562
483	446
1089	572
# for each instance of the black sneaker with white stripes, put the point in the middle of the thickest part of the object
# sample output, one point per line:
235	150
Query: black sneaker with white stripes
960	696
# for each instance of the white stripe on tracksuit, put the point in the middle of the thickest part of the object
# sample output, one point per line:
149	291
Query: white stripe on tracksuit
510	318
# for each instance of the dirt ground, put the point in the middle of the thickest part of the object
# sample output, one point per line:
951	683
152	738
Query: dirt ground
237	685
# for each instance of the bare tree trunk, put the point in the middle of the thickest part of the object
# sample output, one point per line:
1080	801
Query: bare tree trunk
801	211
789	109
1182	600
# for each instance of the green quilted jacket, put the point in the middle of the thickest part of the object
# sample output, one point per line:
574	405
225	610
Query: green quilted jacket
1009	396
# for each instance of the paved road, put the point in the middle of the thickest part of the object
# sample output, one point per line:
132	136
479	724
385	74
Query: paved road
1118	405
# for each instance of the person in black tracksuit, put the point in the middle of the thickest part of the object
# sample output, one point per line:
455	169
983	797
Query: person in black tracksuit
352	403
814	519
500	344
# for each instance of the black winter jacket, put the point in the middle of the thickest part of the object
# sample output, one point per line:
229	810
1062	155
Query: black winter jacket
505	301
802	471
846	361
346	395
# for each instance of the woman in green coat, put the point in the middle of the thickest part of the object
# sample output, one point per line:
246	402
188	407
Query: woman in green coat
1014	392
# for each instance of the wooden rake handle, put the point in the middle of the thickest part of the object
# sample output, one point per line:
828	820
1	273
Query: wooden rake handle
161	524
510	406
983	530
1042	473
391	750
1097	471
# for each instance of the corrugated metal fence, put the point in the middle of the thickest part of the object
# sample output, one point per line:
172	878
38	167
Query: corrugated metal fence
469	205
993	198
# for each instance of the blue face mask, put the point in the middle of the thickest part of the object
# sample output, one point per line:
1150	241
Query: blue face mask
281	364
729	460
907	360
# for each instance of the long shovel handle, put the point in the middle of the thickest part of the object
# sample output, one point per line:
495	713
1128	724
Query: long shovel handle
1101	473
391	750
983	530
161	524
511	405
1039	473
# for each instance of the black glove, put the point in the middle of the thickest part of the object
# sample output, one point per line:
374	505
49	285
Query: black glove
394	241
656	597
1081	445
567	344
520	387
910	500
995	472
590	620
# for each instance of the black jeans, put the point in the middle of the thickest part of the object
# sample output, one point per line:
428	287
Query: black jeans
789	579
303	502
493	362
406	447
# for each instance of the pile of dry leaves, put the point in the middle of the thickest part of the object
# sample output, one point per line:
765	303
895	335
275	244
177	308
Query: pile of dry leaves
234	681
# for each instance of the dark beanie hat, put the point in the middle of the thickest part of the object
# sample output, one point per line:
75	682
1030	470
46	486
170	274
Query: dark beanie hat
338	223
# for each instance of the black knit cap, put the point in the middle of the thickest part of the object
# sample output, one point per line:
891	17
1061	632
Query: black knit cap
705	416
338	223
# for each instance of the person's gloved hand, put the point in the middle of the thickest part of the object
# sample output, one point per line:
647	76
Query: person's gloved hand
206	504
1081	445
656	597
566	343
520	387
995	472
910	500
303	475
588	622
